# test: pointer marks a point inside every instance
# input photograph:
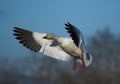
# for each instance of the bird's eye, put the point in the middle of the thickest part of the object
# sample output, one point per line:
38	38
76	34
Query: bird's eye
88	56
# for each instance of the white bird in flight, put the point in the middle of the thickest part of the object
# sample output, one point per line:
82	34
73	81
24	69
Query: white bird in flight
61	48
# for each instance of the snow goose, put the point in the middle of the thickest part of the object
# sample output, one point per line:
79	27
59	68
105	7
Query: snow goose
61	48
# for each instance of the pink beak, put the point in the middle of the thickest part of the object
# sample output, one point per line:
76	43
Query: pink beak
45	37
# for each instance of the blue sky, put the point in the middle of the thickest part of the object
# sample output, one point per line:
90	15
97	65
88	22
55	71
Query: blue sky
50	16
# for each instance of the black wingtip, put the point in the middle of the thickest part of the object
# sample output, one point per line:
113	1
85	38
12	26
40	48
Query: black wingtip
68	23
15	29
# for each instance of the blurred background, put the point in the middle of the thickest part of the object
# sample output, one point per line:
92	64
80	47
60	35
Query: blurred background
99	21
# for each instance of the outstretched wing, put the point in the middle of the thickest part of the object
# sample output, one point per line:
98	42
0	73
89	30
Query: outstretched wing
35	42
76	35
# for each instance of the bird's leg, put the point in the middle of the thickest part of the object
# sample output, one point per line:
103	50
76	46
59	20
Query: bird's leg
83	66
74	63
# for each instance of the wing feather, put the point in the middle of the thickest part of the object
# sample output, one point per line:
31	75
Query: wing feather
35	42
76	35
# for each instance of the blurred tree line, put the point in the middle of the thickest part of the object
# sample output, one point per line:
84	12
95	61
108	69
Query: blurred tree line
36	69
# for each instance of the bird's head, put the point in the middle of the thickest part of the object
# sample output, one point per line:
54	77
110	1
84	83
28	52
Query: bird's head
87	58
48	36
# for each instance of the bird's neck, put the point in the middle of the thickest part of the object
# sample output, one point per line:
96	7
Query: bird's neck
84	57
56	38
